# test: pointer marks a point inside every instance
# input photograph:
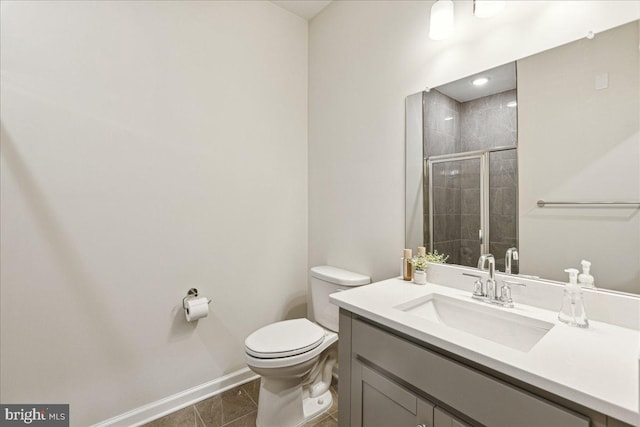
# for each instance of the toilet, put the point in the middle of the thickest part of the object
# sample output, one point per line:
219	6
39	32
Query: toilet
295	358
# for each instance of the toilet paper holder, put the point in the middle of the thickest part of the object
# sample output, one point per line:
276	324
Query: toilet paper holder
191	293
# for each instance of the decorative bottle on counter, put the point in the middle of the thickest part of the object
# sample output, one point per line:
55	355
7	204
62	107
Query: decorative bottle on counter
407	267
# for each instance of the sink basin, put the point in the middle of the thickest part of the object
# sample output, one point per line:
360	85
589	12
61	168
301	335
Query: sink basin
491	323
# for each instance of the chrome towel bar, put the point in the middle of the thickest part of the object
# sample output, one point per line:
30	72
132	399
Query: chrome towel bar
542	204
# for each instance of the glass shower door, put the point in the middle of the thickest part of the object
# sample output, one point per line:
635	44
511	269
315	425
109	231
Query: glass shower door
456	205
503	206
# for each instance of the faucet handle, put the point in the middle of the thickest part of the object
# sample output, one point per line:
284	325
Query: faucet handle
477	288
505	295
477	285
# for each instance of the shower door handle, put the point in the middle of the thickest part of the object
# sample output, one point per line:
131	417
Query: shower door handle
480	236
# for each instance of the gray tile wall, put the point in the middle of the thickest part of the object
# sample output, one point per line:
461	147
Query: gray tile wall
441	124
488	122
470	218
447	209
503	202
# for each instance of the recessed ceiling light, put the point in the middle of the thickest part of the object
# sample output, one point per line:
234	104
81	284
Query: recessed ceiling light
512	104
480	81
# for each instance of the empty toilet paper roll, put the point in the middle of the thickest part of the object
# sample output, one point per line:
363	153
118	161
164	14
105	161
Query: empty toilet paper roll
196	308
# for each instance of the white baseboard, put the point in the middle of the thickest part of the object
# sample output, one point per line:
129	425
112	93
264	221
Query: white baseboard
162	407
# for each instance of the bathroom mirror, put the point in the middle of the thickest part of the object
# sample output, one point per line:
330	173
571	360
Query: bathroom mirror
536	164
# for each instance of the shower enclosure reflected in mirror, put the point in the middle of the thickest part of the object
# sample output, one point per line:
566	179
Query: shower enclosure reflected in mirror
567	131
469	144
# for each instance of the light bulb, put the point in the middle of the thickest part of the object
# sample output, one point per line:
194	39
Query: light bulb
441	21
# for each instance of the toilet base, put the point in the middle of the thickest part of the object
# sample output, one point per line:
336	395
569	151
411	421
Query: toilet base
314	406
281	405
295	389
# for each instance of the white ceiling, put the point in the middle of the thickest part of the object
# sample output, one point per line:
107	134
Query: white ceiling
501	78
304	8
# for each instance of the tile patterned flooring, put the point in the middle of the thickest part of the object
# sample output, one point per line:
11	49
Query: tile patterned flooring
236	408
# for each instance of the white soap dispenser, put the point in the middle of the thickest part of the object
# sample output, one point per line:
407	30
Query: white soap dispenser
572	311
585	279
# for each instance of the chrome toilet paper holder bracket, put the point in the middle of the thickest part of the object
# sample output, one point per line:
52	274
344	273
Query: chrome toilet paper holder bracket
191	293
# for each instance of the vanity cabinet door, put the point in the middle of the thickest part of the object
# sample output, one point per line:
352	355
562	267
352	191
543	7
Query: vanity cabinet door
379	402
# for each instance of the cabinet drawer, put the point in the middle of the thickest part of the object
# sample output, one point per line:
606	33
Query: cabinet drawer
487	400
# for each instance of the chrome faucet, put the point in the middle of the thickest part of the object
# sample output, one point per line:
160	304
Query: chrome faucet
489	291
511	255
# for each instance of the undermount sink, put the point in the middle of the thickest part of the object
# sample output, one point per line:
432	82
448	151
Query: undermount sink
493	324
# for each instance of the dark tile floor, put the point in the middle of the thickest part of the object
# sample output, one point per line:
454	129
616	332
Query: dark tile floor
236	408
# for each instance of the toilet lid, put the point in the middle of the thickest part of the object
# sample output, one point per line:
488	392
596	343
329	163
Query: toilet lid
283	339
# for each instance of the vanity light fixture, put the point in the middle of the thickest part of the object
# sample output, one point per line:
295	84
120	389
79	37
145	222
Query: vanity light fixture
441	20
487	8
480	81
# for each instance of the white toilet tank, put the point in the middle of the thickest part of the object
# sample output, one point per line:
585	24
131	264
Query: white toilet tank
326	280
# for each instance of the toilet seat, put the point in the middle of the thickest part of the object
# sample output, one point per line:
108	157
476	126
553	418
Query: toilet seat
327	340
284	339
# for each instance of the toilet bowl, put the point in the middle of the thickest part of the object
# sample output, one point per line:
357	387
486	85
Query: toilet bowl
296	357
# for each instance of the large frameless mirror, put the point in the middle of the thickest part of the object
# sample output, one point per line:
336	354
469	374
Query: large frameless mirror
546	165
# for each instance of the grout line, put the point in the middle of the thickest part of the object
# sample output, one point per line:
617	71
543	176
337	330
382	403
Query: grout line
222	407
195	415
239	418
248	394
202	423
239	390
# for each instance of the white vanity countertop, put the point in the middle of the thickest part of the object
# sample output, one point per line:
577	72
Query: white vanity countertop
596	367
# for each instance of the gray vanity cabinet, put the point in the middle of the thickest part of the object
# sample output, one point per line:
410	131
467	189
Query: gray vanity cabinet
388	380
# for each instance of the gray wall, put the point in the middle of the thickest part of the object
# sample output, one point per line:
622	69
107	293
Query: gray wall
147	148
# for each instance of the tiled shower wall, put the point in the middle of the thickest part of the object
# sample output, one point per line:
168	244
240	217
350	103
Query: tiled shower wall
503	202
447	210
441	124
470	218
488	122
453	127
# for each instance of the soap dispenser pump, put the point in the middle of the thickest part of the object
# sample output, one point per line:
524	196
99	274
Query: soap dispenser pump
585	278
572	311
